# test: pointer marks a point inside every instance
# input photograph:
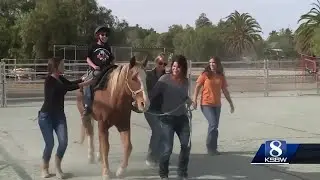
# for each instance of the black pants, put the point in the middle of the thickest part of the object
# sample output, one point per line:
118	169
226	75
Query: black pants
169	126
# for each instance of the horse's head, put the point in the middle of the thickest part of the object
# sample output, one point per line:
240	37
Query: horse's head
136	83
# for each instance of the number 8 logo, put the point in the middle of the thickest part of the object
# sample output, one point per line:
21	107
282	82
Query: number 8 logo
275	151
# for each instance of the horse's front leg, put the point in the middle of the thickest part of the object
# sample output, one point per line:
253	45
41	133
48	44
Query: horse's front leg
127	149
104	149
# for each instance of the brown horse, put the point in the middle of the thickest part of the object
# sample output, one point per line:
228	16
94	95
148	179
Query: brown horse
112	107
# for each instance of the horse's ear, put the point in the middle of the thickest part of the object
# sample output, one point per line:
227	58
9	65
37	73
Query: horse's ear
132	61
145	61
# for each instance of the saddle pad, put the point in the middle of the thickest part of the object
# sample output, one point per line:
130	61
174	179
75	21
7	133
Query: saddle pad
103	79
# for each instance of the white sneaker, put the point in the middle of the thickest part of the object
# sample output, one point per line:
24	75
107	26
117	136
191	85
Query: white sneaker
182	178
60	175
150	163
45	173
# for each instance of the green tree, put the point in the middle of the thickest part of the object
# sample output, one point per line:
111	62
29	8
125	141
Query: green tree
284	39
51	22
241	32
29	29
10	12
203	21
315	43
306	30
166	39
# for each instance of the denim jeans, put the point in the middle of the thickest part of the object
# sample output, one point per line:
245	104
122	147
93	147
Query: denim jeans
87	96
49	123
87	91
212	114
154	144
169	126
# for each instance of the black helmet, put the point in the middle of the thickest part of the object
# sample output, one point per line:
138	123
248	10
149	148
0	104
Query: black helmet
102	29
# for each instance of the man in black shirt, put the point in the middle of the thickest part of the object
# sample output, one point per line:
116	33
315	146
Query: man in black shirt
99	59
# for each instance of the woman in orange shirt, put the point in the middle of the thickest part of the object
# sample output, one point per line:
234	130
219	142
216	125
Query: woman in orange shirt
212	80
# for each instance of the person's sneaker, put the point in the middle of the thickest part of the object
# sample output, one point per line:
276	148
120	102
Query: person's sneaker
182	178
214	153
151	163
45	173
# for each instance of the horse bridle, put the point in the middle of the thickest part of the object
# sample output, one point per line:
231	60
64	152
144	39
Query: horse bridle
133	93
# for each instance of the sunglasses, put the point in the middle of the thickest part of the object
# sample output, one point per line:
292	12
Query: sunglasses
162	63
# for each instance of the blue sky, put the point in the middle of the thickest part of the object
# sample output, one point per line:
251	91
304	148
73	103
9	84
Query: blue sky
160	14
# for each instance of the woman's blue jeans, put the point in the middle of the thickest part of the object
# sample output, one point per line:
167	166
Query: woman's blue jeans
49	123
169	126
212	114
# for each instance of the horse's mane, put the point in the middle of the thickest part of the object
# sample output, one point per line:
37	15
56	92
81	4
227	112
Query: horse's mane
117	80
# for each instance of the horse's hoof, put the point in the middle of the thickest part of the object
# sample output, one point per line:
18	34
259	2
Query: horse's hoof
106	177
91	159
120	171
98	157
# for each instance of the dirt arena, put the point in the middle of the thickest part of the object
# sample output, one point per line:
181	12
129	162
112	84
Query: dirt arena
294	119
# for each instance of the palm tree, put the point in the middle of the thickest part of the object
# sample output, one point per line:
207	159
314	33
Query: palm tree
307	29
242	31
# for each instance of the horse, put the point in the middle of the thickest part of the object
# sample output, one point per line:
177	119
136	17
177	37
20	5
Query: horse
112	106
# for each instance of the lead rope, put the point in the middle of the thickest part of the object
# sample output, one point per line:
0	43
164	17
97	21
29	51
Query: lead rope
189	114
166	113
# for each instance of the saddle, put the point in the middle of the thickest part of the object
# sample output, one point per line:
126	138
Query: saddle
102	80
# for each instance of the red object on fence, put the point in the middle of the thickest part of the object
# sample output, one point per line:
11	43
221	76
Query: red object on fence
309	64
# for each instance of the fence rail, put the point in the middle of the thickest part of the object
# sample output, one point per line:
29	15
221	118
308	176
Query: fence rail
24	82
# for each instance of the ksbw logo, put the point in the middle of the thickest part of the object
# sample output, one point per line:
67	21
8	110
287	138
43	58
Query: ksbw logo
275	152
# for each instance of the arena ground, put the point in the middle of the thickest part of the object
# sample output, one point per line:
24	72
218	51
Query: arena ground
294	119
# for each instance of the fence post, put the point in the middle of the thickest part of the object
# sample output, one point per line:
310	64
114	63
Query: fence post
3	85
54	50
266	77
190	77
317	81
1	95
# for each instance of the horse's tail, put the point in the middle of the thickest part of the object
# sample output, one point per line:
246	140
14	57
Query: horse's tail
86	129
86	121
82	134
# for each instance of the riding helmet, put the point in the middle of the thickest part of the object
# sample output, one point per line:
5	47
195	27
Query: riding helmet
101	29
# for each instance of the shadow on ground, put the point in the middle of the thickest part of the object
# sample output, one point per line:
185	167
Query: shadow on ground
230	165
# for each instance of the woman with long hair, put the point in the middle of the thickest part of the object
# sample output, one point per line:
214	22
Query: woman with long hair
174	90
212	80
51	117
